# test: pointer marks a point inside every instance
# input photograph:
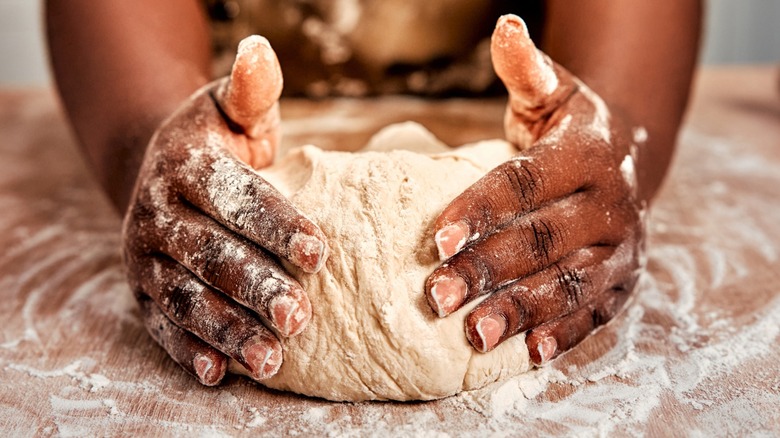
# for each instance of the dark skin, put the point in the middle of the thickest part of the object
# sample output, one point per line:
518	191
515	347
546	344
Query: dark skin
137	64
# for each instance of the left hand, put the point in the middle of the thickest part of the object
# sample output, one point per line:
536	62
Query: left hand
553	235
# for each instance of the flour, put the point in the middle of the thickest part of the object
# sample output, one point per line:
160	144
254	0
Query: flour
90	381
639	134
600	123
544	79
256	420
695	346
628	171
67	406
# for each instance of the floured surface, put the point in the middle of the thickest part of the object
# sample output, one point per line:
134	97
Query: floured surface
697	351
372	335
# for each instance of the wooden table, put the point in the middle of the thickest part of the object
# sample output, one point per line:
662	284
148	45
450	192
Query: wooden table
697	351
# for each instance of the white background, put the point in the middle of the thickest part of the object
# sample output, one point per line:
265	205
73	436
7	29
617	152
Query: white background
737	31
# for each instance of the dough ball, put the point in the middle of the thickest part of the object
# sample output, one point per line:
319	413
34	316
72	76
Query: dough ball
372	335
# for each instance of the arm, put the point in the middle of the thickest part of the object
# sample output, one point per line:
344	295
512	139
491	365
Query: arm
121	68
639	57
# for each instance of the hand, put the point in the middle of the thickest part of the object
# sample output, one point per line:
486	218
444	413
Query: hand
203	228
553	235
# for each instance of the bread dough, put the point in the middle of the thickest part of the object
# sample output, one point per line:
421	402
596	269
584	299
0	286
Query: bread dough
372	335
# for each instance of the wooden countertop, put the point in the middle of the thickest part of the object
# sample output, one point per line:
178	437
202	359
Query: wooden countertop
697	350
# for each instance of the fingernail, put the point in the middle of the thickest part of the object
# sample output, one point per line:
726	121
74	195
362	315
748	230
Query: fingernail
263	360
546	349
289	315
490	329
514	21
207	372
448	293
248	44
202	365
308	252
451	239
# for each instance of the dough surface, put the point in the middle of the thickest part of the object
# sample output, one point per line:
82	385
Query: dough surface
372	335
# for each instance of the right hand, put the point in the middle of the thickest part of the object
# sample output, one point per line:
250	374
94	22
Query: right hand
203	228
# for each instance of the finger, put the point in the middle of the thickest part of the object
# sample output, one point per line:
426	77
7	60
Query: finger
535	84
252	91
523	247
239	198
585	279
196	156
198	358
565	160
507	192
554	338
236	267
211	316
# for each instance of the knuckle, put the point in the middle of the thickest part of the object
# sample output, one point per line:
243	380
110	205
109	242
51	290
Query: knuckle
600	316
221	333
476	268
210	259
151	207
239	197
142	212
180	298
572	284
546	236
522	179
524	305
137	272
144	225
155	321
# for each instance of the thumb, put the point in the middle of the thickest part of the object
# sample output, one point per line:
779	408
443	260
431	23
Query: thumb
534	83
251	93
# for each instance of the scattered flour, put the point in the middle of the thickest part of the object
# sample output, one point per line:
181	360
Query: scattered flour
92	382
683	349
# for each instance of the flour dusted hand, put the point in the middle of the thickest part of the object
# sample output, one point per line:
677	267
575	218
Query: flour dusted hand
554	234
203	228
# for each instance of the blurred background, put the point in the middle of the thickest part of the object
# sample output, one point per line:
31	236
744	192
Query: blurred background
737	32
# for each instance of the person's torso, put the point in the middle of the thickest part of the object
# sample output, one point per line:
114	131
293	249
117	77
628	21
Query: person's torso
361	47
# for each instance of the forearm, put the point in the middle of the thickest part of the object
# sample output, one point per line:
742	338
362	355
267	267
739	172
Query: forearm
639	56
121	68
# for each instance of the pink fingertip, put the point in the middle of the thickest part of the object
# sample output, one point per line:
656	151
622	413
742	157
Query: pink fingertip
289	314
490	329
263	359
207	372
546	349
448	294
450	239
308	252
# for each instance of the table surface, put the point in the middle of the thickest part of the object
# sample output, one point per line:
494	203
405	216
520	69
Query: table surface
696	351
